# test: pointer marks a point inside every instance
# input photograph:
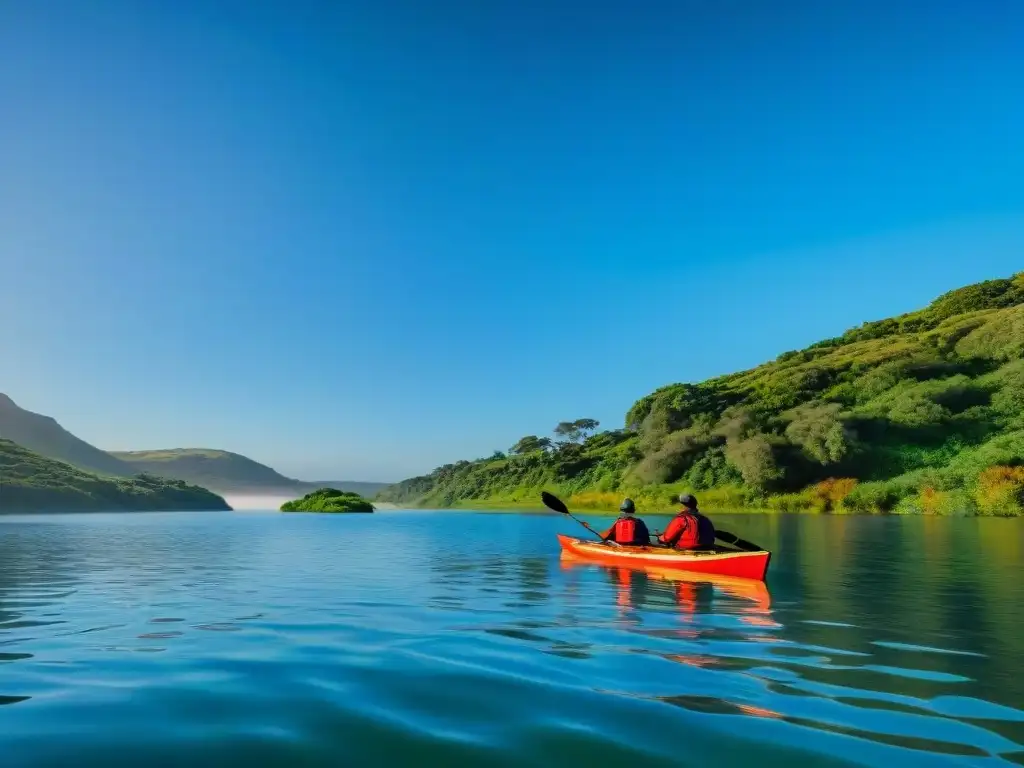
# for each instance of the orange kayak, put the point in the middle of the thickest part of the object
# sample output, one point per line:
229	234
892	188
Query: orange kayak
743	565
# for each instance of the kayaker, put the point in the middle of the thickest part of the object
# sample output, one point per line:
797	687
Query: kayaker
628	529
689	529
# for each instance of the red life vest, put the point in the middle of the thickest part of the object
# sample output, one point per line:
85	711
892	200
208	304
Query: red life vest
625	530
687	531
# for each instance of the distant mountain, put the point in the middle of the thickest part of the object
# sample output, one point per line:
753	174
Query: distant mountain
46	437
220	471
226	472
30	482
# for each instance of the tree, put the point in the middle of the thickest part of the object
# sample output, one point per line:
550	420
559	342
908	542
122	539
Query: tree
566	431
820	432
576	431
754	458
530	444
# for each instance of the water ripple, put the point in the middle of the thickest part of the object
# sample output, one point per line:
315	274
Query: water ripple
280	640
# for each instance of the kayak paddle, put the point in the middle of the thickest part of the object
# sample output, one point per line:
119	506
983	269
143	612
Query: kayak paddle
554	503
736	541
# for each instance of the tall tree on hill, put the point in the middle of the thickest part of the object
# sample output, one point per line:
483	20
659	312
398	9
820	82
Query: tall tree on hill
530	444
575	431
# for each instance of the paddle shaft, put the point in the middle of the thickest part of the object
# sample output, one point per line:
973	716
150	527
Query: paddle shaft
584	524
556	504
587	526
736	541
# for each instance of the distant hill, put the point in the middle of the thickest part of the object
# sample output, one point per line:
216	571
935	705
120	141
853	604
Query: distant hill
46	437
220	471
30	482
227	472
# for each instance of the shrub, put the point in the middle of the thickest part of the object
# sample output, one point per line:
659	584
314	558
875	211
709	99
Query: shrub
1000	491
830	494
932	501
755	460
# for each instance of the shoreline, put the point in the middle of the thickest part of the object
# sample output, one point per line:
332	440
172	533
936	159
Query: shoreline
711	508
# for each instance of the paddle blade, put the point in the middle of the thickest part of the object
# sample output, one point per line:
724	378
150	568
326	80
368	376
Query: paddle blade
553	502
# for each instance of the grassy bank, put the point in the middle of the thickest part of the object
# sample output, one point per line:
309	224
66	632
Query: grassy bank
996	494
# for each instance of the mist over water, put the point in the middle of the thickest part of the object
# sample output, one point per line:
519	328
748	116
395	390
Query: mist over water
444	639
257	502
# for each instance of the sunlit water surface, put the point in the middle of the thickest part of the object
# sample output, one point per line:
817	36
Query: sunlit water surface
413	638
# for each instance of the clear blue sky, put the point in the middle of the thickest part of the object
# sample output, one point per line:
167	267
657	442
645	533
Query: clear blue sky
365	239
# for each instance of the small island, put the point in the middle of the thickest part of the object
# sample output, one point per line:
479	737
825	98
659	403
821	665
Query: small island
328	500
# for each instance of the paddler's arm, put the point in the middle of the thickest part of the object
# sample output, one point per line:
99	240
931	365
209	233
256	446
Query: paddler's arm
671	534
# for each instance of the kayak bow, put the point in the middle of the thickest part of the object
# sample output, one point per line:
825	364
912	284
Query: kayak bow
744	565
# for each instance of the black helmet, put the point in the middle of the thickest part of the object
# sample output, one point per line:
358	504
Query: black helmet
688	500
627	506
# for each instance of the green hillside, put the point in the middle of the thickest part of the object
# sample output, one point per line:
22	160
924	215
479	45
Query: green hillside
227	472
46	437
30	482
920	413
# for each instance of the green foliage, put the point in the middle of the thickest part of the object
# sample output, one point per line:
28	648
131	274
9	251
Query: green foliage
1007	387
754	458
530	444
32	483
908	412
1000	337
328	500
575	431
820	432
712	470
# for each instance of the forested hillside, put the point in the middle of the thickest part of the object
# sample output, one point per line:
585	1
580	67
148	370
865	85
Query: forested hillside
922	413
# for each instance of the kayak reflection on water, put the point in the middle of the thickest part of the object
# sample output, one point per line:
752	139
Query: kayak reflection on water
694	593
637	587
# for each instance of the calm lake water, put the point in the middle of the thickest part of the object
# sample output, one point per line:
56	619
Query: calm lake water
418	638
